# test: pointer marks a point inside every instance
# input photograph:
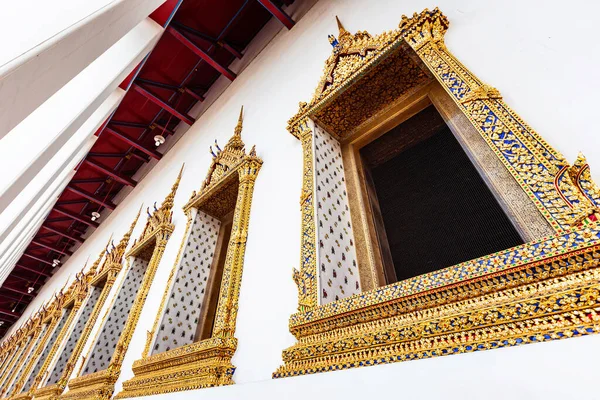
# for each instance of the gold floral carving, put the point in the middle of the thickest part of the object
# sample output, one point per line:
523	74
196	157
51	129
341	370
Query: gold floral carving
535	292
207	363
151	244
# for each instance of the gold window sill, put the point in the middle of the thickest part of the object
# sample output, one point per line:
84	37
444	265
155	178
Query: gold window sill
22	396
100	384
199	365
50	392
539	291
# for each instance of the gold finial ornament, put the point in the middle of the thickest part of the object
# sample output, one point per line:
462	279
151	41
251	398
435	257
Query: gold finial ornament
160	218
225	160
169	200
343	33
236	140
96	263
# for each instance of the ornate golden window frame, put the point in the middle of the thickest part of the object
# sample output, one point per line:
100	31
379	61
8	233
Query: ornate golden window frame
543	290
206	363
152	243
68	300
106	275
71	301
32	328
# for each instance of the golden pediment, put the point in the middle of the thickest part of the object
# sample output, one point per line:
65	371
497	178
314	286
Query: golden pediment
158	222
365	73
222	174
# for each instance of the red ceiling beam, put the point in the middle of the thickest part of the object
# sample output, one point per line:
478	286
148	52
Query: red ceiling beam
8	322
134	143
10	313
37	259
110	172
141	157
162	128
209	39
278	13
92	197
153	98
16	290
11	296
202	54
77	217
230	49
50	247
13	275
35	271
193	94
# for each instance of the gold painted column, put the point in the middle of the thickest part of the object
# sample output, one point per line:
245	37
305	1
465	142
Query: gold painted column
306	277
232	272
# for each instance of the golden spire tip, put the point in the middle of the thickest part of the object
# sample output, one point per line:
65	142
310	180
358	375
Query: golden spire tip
339	24
238	127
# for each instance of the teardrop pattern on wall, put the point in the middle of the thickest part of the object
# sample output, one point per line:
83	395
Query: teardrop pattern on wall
47	348
109	336
65	355
337	263
182	313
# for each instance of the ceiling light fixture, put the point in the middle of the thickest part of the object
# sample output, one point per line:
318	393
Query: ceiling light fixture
55	262
30	289
95	215
158	140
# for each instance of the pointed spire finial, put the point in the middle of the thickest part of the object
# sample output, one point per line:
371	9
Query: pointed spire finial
339	24
104	250
343	33
235	142
169	200
238	127
132	226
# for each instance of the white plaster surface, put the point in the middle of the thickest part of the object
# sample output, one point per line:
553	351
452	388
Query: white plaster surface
46	43
540	55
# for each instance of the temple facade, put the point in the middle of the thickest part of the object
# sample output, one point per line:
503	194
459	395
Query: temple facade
296	199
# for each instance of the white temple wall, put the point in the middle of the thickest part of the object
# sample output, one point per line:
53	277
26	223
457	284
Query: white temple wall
536	53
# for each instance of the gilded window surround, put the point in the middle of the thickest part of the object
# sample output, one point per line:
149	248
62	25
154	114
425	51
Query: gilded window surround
150	245
74	298
107	275
32	328
206	363
64	300
542	290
